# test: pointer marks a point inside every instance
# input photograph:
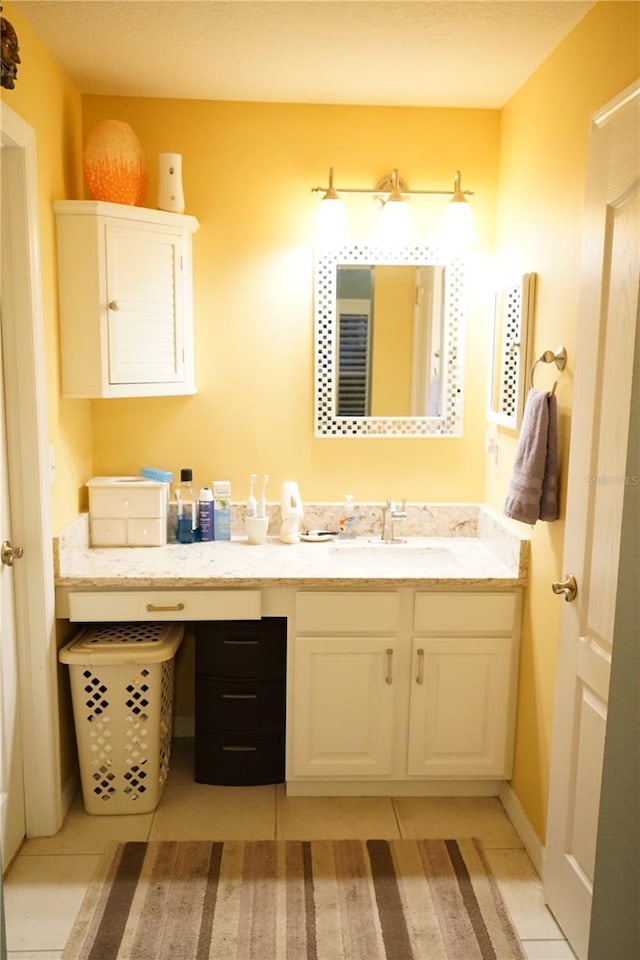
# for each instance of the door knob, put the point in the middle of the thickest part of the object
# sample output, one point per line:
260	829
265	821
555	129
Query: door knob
8	553
568	587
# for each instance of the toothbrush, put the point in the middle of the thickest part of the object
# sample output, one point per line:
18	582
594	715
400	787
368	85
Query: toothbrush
252	504
262	503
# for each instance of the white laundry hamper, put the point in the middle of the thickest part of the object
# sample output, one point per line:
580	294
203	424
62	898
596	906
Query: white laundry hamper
122	690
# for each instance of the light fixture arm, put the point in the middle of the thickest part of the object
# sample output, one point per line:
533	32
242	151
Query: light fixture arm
390	185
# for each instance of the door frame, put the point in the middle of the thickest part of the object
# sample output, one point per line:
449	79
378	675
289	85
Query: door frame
29	481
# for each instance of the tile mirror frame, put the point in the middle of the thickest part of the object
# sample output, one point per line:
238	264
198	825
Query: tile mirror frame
327	422
510	352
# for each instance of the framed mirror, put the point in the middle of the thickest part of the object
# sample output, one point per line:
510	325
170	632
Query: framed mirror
388	342
510	352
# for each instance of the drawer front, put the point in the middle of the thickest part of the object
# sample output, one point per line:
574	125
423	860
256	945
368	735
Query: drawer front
117	501
108	533
239	705
242	649
470	613
240	758
164	605
350	612
146	533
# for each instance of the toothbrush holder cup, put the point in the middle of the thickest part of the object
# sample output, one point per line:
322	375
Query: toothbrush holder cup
256	528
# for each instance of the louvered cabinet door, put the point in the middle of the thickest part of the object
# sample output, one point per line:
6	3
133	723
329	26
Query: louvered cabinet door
145	309
126	301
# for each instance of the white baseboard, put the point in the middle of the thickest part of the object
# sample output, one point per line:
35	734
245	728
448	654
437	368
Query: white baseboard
521	824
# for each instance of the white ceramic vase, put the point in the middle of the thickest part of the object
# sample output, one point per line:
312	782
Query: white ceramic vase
170	192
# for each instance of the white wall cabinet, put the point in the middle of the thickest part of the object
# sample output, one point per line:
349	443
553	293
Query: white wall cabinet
404	685
126	300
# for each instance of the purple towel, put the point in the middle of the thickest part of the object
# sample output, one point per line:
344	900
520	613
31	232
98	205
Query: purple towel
533	491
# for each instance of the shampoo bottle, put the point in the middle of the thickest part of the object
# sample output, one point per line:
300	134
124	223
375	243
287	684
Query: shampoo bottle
205	514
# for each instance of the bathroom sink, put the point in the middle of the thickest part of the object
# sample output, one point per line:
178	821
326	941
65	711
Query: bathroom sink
413	552
415	547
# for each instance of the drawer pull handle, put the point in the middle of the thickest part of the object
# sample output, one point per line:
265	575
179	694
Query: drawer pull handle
241	643
239	749
157	608
389	677
239	696
420	677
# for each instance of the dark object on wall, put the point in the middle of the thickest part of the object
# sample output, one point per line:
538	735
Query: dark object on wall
10	55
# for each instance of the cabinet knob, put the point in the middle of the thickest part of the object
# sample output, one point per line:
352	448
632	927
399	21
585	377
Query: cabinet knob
114	305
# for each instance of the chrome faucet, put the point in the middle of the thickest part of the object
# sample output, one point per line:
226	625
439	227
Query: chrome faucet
389	515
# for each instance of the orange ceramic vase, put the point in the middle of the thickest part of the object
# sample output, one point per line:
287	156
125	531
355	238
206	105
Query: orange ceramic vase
114	164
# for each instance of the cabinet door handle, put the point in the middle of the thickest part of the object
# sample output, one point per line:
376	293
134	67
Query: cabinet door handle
389	677
157	608
239	749
239	696
239	643
114	305
420	676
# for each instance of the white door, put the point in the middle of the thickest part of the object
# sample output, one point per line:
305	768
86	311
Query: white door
12	815
606	334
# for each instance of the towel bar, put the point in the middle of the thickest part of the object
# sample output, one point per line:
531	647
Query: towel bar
559	358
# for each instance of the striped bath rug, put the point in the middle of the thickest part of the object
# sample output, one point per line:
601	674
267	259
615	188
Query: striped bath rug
294	900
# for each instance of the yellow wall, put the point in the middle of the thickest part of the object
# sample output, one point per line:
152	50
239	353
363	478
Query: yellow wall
544	134
248	169
46	99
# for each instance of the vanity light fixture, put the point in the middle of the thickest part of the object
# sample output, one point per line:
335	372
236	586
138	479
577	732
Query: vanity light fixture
459	216
391	193
331	221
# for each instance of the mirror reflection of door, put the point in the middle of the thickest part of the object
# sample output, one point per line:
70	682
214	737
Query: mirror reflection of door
389	340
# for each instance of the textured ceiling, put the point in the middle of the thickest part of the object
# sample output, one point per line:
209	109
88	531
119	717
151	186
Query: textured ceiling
449	53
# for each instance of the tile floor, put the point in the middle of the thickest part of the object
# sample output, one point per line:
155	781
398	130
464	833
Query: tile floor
46	883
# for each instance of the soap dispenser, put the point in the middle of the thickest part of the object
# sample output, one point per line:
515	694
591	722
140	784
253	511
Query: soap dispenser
292	512
347	524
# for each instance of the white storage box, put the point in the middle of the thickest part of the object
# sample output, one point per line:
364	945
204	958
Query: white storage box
127	512
122	689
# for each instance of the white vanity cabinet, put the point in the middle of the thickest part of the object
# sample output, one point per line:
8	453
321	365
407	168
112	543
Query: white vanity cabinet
404	686
343	692
463	689
126	300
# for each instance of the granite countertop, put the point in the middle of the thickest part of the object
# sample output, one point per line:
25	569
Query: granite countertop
483	552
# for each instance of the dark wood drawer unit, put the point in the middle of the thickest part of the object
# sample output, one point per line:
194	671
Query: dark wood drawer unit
240	701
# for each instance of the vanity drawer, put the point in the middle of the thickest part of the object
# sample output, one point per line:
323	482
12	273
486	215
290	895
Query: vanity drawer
128	533
127	499
238	705
470	613
250	650
162	605
240	758
352	612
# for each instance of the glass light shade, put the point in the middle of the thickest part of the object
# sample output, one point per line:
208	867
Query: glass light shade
331	223
458	224
395	225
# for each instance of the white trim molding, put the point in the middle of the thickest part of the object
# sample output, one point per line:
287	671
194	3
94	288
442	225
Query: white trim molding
521	824
28	463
